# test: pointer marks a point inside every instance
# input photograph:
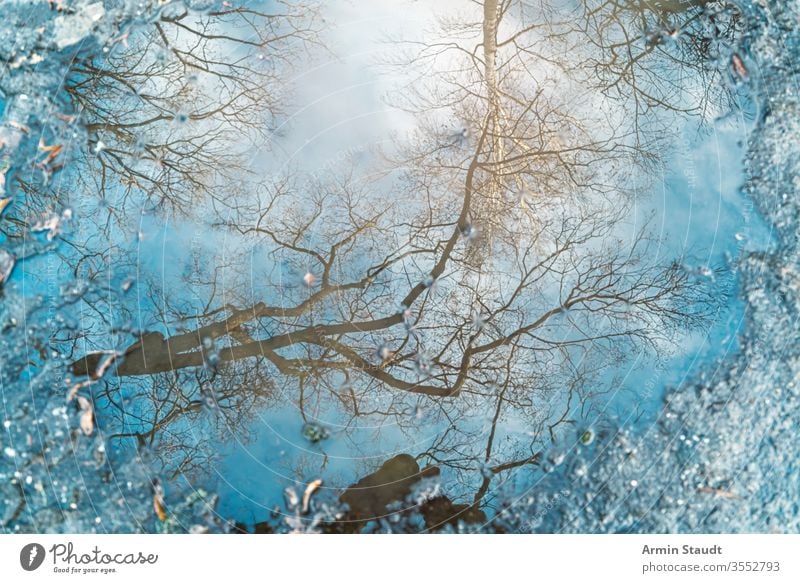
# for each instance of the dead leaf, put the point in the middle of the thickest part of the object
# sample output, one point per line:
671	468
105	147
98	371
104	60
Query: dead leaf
75	388
7	262
291	498
310	489
19	126
4	202
87	415
158	506
739	67
66	118
52	152
158	501
717	492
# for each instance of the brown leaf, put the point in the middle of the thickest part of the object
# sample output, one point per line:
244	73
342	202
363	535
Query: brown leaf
739	67
65	117
21	127
52	152
159	507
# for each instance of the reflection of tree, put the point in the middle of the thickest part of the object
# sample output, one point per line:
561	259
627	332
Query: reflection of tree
170	108
185	95
176	414
489	279
657	54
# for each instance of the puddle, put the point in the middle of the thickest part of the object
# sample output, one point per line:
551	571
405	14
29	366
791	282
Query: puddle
374	282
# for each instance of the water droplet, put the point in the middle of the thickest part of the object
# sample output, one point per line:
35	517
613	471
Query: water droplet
384	353
469	232
478	321
423	365
705	271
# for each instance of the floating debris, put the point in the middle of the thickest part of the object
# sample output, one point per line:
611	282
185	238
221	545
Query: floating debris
87	415
7	262
705	271
460	136
104	364
159	506
48	164
53	224
423	364
717	492
409	323
739	68
292	500
19	126
211	355
314	432
384	353
310	489
587	437
469	232
478	321
181	117
209	397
